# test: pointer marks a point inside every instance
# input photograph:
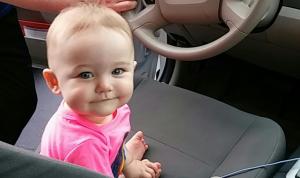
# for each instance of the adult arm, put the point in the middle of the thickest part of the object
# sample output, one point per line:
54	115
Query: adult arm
57	5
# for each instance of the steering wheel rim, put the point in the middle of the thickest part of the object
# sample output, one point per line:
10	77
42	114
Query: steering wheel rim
240	16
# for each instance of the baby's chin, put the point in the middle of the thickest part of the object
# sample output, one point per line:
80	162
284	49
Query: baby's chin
96	117
101	109
104	112
95	113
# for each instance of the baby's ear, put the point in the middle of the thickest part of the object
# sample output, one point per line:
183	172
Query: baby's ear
134	64
51	81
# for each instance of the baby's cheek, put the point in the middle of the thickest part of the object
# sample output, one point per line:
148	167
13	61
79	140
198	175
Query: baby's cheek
76	98
126	94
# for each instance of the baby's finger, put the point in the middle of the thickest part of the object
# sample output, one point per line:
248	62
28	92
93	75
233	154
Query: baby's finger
155	167
157	173
151	172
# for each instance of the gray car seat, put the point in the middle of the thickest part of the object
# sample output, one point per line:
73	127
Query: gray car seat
196	136
192	135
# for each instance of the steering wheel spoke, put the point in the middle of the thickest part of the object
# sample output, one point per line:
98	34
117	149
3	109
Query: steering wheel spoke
243	14
149	18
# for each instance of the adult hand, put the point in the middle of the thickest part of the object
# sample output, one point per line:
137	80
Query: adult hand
121	5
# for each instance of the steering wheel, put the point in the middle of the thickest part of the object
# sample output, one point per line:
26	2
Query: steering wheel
240	16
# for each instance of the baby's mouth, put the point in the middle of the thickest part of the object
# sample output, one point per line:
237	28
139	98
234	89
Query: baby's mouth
102	100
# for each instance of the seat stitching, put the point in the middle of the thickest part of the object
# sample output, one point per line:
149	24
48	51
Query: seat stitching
234	145
176	149
272	154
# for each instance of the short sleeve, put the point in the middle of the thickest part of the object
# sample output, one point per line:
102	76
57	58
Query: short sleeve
93	155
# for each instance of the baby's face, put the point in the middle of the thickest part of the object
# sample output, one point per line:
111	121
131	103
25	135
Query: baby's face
95	72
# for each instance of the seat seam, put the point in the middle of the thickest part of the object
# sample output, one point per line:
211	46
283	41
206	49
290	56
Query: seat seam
178	150
238	140
271	155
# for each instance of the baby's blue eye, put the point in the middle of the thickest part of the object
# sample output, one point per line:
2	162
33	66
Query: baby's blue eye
118	71
86	75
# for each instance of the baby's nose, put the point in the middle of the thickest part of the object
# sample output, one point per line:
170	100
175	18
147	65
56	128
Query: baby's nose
103	85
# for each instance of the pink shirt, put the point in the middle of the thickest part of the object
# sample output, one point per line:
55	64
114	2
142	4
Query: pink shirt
71	138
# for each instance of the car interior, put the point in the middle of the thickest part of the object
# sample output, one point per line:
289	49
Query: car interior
222	95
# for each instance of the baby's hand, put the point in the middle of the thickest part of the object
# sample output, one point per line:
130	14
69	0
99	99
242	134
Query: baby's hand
152	170
142	169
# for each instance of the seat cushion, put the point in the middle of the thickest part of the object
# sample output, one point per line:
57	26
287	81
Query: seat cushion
196	136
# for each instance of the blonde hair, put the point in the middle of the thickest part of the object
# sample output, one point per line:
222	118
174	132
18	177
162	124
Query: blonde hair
83	16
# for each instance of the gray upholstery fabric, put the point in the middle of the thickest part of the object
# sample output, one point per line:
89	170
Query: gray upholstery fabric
48	103
196	136
19	163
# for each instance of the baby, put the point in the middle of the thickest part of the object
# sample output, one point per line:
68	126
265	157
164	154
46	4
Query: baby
91	64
